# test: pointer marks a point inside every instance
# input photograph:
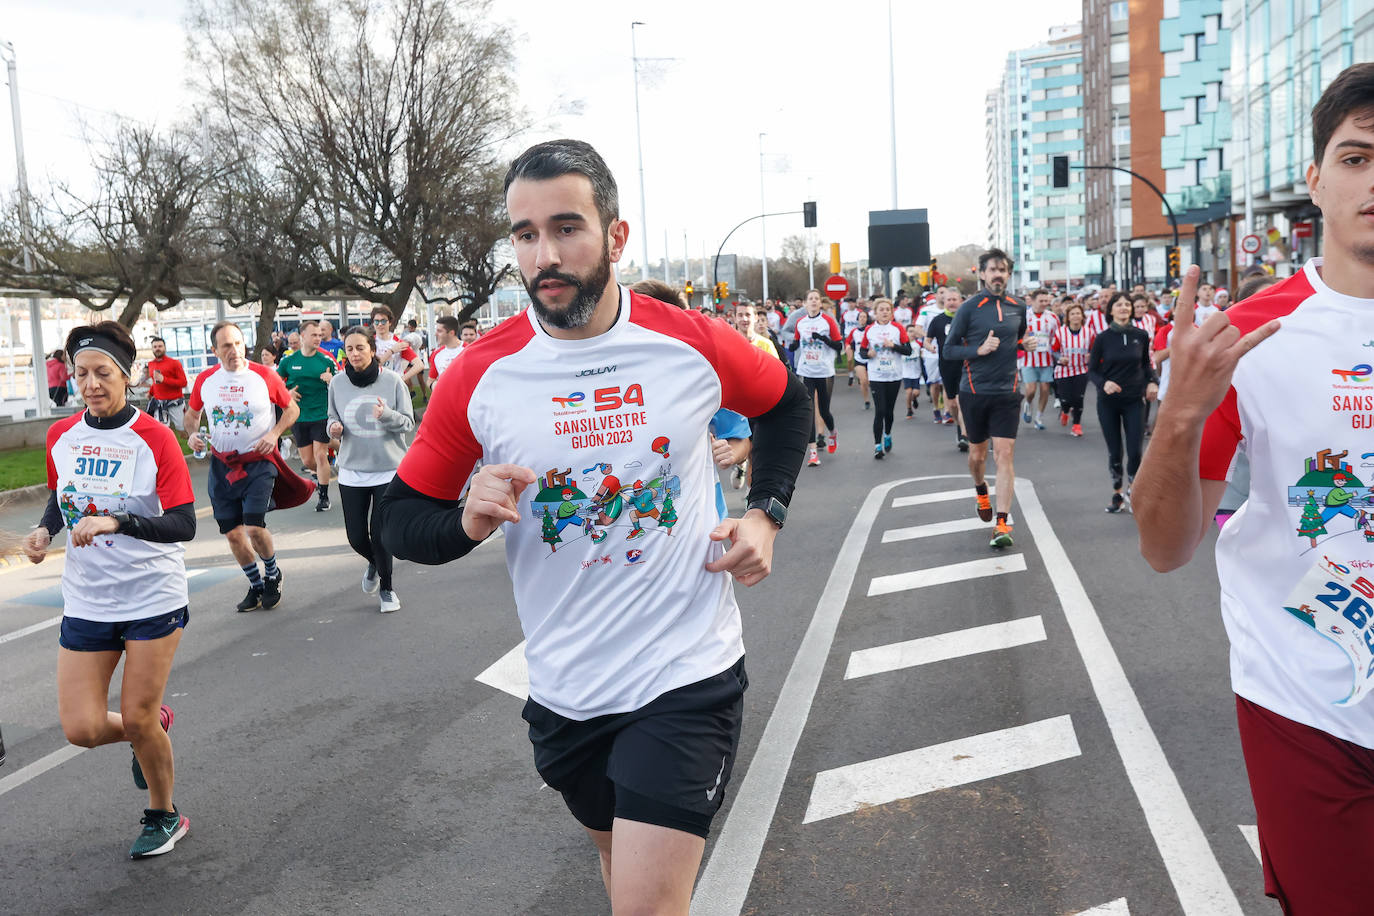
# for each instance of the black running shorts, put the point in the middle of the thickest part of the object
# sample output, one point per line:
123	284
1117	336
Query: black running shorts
951	371
667	763
996	416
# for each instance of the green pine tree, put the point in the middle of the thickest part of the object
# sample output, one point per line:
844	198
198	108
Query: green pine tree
1310	525
667	516
550	534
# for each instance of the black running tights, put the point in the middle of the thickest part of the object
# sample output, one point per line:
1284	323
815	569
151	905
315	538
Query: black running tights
1116	413
1071	390
884	403
364	527
819	389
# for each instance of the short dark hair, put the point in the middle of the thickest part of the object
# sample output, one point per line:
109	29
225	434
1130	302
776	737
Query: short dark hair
384	311
308	323
469	325
411	323
220	326
448	323
1350	93
153	340
555	158
1038	291
657	289
993	254
1254	284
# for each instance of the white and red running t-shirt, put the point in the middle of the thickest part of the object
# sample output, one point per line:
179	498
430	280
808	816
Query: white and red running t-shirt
1042	328
1146	323
902	315
854	340
884	363
608	560
238	405
815	359
395	353
439	360
137	468
1095	321
850	319
1072	346
1296	562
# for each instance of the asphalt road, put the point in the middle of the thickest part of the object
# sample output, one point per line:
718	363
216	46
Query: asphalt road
1043	730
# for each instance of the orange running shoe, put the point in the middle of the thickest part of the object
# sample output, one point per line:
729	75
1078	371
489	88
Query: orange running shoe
984	507
1001	535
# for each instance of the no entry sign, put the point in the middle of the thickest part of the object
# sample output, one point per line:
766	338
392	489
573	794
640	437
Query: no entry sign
837	287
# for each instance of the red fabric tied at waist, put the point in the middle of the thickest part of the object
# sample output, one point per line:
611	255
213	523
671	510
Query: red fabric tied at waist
289	490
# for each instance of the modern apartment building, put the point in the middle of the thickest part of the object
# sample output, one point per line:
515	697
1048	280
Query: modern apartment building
1284	53
1034	114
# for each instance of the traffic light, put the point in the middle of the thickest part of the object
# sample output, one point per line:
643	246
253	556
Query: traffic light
689	290
1174	262
1061	171
809	214
722	291
923	277
934	268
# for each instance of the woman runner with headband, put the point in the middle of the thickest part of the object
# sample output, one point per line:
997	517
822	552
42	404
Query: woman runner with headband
120	486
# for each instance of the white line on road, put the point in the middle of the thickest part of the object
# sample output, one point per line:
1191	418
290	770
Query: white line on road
940	766
724	883
32	628
933	530
1251	834
1116	908
39	767
942	575
509	673
944	646
1198	880
944	496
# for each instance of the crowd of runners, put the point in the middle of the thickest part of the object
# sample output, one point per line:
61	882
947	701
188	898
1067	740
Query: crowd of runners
635	718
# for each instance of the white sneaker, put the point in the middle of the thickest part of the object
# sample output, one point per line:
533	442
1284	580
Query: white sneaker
389	602
370	580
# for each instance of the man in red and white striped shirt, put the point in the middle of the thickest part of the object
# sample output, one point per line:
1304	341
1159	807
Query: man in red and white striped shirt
1096	319
1037	366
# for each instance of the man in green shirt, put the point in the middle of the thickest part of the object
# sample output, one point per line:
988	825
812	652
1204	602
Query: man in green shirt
307	373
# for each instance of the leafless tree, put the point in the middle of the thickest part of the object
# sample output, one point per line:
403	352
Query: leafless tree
390	114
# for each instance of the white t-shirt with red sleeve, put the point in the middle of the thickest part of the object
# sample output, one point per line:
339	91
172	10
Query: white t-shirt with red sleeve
238	405
884	363
1296	562
136	468
395	353
814	358
439	360
1042	328
902	315
608	560
1073	347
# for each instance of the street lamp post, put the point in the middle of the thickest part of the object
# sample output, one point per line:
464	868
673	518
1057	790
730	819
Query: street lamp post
40	378
639	139
763	231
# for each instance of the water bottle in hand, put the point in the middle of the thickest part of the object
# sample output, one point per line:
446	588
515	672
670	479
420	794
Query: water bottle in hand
203	452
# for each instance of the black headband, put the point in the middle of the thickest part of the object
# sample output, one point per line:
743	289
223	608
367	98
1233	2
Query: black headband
111	346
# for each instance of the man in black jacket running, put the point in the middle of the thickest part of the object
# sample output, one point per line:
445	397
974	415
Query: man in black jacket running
985	334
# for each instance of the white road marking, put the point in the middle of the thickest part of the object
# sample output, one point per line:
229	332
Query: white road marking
942	575
933	530
944	496
1251	834
913	652
32	628
941	766
725	881
1115	908
1198	880
39	767
509	673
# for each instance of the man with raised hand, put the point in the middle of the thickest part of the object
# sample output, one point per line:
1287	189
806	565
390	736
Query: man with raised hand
1282	377
590	411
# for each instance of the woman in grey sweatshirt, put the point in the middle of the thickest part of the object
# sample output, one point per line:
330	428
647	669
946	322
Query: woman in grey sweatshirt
370	414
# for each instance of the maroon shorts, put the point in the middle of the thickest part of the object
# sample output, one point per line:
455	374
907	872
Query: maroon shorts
1314	794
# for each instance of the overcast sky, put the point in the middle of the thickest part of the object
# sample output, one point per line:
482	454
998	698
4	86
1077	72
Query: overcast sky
814	80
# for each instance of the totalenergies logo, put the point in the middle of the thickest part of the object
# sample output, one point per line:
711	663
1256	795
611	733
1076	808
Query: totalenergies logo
1357	374
576	397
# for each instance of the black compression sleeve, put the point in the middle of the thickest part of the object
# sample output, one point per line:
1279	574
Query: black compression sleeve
52	515
421	528
173	526
832	343
780	438
903	348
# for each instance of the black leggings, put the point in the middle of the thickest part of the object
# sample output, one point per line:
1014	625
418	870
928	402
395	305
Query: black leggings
364	532
1071	389
1116	412
819	389
884	402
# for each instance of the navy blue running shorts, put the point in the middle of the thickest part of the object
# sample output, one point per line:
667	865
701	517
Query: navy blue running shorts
82	635
667	763
245	501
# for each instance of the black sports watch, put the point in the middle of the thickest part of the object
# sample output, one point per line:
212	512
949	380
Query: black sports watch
771	507
127	525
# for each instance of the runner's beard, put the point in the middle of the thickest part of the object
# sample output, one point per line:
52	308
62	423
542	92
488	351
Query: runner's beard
579	311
